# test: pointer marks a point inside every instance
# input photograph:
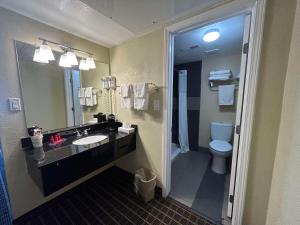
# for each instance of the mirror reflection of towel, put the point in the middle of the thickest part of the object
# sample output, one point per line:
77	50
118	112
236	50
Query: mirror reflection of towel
226	94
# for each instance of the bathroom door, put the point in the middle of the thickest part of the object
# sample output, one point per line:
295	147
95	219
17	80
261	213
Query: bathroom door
239	111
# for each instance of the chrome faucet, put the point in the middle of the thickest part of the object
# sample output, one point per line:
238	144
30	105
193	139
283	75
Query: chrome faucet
85	131
78	134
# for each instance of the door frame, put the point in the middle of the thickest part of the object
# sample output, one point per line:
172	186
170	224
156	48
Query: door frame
257	10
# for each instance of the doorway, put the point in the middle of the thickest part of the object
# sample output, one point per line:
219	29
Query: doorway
207	86
242	130
74	112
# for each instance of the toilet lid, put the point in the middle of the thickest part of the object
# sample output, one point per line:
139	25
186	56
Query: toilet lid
222	146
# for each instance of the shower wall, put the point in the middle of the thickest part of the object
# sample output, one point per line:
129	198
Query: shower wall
193	101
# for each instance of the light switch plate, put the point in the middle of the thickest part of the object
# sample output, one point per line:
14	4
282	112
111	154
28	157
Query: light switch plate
14	104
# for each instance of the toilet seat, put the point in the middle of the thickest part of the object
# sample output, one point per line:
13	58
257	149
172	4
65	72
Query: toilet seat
221	146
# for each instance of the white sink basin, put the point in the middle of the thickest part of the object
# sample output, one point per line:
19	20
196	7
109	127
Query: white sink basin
90	140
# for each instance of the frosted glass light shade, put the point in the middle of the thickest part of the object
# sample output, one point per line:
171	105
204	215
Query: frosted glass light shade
45	51
211	36
37	57
83	65
64	61
90	63
72	58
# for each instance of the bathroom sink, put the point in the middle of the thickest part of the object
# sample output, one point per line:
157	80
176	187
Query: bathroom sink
90	140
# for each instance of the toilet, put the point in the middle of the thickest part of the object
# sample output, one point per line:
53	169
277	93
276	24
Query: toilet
220	147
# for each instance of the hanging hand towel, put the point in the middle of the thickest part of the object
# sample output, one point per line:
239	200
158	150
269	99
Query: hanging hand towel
124	90
95	91
126	96
89	96
81	95
141	96
226	94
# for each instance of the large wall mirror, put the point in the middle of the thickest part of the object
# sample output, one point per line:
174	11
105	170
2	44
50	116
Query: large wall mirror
50	92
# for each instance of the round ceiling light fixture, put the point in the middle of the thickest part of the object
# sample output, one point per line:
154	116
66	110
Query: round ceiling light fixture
211	35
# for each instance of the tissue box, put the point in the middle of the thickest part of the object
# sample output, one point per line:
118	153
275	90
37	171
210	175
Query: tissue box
126	130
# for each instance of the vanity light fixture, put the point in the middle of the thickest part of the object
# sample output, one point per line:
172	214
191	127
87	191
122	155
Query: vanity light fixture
44	54
83	65
90	62
211	35
64	61
37	57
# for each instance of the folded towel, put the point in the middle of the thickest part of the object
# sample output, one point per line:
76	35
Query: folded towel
81	92
126	96
140	90
124	90
220	72
226	94
220	77
82	101
141	103
126	103
141	96
88	92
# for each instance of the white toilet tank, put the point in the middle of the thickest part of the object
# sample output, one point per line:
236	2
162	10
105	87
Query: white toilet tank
221	131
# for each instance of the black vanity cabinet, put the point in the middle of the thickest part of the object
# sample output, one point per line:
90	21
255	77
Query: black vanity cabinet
52	176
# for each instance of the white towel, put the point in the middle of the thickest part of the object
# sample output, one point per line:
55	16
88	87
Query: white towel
82	101
95	91
124	90
140	90
126	103
141	96
126	96
81	92
226	94
220	77
220	72
88	92
89	96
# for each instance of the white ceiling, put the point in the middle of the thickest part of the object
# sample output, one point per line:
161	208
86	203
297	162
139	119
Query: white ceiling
107	22
190	47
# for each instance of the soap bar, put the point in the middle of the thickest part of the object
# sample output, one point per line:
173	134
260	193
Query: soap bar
126	130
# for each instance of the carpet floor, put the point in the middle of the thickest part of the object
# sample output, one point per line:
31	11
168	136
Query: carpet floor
109	198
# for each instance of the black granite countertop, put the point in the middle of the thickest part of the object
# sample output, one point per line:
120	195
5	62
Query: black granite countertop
49	154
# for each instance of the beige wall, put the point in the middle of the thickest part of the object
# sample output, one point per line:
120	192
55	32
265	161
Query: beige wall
140	60
23	192
43	94
92	78
210	111
284	204
143	54
275	50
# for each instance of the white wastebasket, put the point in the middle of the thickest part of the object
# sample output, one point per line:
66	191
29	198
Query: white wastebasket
144	183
